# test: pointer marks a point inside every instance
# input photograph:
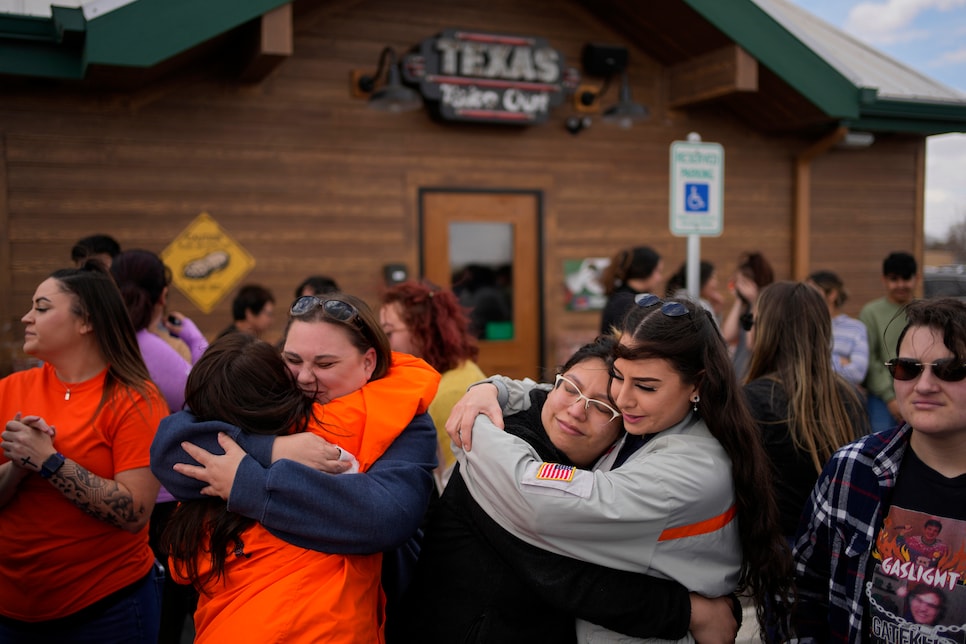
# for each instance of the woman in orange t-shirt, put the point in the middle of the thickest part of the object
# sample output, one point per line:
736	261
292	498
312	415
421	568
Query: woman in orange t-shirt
75	501
337	351
253	584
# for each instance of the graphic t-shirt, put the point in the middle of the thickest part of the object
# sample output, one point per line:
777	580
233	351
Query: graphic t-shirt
917	592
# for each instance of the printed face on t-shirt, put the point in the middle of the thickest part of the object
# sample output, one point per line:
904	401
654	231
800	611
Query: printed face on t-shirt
915	591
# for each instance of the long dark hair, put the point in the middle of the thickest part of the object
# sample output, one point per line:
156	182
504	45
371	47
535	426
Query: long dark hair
242	381
693	346
793	345
437	323
638	262
97	301
142	277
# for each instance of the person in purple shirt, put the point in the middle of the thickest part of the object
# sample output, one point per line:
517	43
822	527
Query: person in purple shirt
143	280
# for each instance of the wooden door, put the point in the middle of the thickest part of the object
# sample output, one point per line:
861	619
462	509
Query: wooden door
486	247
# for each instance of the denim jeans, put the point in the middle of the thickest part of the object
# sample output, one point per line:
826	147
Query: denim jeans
879	417
133	619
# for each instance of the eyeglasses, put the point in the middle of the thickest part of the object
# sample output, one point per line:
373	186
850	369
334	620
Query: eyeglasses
335	309
947	369
573	394
670	309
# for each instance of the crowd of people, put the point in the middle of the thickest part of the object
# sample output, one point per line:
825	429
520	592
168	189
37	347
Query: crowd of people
365	481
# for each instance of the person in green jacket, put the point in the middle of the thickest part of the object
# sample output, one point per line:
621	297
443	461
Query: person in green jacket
885	318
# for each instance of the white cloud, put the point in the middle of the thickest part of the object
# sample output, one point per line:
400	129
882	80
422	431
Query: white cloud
945	189
955	57
889	22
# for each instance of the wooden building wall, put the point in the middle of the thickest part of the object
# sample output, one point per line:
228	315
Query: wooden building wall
309	180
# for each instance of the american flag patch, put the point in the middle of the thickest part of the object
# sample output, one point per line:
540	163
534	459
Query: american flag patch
556	472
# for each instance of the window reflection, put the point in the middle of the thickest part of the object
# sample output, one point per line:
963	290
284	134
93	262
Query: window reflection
481	262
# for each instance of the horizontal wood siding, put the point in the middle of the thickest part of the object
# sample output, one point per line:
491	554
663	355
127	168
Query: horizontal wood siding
864	206
309	180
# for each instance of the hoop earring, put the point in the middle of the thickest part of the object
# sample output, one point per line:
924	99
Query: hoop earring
694	403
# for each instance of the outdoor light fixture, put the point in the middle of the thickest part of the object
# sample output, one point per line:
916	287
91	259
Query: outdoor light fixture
626	111
605	61
856	140
392	95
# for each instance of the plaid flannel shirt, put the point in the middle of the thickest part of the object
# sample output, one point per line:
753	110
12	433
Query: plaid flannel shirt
837	533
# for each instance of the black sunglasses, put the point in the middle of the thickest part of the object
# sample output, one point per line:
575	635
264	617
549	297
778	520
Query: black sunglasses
335	309
670	309
947	369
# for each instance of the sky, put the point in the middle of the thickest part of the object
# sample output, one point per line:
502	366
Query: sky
930	37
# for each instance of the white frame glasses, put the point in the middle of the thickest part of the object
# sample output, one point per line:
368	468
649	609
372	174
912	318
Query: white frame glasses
587	399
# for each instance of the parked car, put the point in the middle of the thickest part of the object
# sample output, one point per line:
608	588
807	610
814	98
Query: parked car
945	281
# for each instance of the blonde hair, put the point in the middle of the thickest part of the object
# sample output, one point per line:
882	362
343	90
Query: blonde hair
793	347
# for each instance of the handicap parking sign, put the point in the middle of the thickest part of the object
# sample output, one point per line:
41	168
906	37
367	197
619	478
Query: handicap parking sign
697	186
696	197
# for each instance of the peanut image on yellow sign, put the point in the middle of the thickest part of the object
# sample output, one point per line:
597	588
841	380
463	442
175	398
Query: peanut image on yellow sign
206	263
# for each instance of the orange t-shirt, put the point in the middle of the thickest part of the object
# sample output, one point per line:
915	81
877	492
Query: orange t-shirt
277	592
54	558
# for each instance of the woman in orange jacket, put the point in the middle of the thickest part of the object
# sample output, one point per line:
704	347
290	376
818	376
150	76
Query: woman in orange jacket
254	585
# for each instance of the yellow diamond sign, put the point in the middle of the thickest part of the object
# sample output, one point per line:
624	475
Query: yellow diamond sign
205	262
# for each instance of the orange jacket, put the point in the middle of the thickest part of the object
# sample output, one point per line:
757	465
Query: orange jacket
273	591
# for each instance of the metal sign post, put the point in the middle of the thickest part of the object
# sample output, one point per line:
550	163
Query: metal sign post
696	204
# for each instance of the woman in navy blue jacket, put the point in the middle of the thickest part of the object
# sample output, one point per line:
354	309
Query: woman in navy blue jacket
333	346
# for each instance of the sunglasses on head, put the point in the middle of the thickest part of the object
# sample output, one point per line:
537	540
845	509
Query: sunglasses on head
335	309
947	369
670	309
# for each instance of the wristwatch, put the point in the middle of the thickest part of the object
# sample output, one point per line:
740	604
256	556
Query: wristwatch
51	465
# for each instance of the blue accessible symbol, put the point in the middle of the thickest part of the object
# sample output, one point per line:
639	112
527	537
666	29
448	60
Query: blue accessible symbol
696	197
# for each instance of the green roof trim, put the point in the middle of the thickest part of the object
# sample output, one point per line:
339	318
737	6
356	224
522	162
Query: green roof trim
41	60
784	54
818	81
138	34
890	115
147	32
51	47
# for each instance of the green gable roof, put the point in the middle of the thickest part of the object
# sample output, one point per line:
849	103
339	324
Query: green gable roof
138	34
801	50
843	78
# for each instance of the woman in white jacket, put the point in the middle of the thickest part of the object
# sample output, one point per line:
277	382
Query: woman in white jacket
687	494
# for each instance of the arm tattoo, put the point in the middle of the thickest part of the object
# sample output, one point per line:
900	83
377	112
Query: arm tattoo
99	497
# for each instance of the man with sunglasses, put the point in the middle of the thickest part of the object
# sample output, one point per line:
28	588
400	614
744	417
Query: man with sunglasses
884	319
852	541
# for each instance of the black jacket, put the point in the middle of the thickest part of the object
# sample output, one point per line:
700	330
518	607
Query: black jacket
475	582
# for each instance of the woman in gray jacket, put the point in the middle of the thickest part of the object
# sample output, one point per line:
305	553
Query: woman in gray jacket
686	495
